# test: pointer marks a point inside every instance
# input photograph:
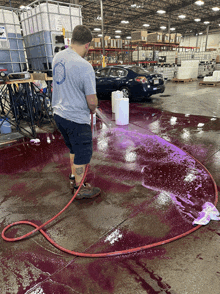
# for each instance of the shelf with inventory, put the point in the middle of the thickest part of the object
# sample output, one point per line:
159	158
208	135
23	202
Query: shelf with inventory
113	56
161	45
129	63
139	53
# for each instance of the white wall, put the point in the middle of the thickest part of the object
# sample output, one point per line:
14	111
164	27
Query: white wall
213	41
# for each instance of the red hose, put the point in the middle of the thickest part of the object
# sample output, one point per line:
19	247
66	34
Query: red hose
122	252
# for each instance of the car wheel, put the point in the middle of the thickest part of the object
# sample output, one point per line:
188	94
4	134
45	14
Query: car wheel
126	92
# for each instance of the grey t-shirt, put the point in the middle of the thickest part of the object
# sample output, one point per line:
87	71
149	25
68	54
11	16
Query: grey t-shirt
73	79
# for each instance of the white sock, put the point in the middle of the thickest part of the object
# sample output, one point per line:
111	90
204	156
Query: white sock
72	176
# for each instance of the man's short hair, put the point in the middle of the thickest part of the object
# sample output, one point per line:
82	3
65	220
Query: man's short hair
81	35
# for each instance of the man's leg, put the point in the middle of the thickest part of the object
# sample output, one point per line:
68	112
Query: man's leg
86	191
80	170
72	156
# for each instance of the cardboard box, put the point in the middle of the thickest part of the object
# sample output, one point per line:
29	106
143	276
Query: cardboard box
97	40
113	43
98	45
92	44
156	37
217	58
139	35
166	38
119	43
106	44
178	38
107	38
172	38
127	42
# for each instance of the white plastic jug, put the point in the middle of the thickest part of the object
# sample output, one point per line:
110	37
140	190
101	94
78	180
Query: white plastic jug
122	111
115	95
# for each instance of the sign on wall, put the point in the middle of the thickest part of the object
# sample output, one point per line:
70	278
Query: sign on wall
162	58
3	36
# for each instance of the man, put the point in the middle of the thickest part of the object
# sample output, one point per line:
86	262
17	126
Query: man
74	97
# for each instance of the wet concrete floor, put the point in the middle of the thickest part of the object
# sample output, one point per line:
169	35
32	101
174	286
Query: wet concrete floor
155	175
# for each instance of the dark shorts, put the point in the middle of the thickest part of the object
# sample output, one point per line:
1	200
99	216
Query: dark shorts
78	138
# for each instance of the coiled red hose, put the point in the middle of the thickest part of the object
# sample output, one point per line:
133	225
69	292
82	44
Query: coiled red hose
122	252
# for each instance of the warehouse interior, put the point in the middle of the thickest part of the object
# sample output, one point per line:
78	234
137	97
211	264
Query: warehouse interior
155	226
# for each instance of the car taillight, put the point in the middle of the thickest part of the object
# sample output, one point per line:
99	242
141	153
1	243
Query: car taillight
142	80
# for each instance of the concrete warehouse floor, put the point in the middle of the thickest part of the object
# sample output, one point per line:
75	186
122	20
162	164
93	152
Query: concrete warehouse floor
151	191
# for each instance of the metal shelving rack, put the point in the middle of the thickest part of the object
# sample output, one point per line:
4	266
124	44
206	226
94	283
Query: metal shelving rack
120	53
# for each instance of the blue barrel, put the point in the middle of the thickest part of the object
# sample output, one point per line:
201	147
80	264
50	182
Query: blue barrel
5	128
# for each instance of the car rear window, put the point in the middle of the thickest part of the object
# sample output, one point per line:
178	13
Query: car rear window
139	70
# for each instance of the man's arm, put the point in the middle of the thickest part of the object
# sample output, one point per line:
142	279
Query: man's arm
92	101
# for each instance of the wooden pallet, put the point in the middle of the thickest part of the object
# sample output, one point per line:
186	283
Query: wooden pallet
209	84
182	80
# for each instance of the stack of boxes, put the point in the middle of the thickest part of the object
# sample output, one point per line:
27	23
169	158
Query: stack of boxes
166	38
189	70
156	37
168	57
168	72
144	55
178	38
201	56
172	38
139	35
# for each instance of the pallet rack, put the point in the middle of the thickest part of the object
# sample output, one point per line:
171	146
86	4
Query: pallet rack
120	53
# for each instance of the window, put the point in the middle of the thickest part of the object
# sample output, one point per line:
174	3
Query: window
104	72
118	73
139	70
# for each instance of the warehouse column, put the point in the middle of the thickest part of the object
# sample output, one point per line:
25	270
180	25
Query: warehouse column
103	42
207	35
169	26
197	41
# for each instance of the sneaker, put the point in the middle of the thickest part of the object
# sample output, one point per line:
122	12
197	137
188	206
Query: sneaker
87	192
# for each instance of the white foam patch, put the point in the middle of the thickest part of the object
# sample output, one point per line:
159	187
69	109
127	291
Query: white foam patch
114	236
190	178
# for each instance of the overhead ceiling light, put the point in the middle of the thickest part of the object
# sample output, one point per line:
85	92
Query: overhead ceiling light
128	37
200	33
172	29
99	18
161	11
100	35
117	37
118	31
206	22
124	21
146	25
215	8
200	3
163	28
133	5
182	16
197	19
97	29
22	7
